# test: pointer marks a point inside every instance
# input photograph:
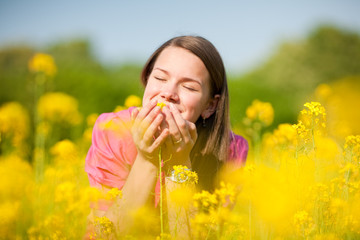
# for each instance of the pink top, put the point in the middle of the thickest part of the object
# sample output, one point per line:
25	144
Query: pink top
113	151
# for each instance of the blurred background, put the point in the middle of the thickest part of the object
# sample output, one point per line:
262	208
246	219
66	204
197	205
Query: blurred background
62	63
276	52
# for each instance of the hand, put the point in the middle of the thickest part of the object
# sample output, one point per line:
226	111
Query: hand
180	141
145	126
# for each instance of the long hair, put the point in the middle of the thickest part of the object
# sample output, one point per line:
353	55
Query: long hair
212	146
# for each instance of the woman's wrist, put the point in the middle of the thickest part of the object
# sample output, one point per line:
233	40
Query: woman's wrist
148	159
147	163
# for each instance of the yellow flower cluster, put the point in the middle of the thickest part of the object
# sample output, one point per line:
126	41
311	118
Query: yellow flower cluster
113	193
285	134
16	177
283	138
9	215
104	227
301	130
205	201
262	112
65	192
43	63
290	193
310	127
130	101
64	150
313	117
340	98
14	123
185	175
225	194
222	197
352	148
90	120
59	108
53	224
303	223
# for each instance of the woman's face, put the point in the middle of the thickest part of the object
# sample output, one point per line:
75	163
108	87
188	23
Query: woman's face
181	78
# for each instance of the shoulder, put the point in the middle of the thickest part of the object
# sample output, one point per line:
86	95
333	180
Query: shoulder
112	151
114	121
239	148
112	132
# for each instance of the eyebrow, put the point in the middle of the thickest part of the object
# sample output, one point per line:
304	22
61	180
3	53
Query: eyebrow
183	78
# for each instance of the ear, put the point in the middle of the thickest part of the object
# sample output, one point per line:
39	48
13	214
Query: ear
210	107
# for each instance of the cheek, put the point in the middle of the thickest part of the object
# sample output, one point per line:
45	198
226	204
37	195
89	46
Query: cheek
193	109
149	93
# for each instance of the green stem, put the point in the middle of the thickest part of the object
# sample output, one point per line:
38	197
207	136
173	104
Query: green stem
39	154
250	220
161	198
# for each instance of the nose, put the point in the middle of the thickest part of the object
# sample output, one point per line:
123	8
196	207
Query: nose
169	93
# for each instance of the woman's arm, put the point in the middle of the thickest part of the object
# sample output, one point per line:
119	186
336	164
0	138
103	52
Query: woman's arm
140	182
136	192
142	178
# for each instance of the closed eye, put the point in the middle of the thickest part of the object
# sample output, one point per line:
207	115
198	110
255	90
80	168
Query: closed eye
190	88
160	79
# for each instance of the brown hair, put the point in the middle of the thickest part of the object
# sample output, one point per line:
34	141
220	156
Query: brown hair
213	140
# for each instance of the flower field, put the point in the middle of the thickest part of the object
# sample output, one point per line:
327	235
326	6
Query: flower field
301	180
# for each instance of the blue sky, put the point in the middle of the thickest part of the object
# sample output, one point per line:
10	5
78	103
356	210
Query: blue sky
245	32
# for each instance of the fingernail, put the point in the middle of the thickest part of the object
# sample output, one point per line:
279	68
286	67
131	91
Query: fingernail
153	102
172	106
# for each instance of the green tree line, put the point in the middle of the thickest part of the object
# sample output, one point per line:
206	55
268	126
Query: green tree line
286	79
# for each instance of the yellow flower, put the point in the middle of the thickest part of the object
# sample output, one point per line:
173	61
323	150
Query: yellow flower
285	134
352	147
91	119
132	101
183	174
119	108
44	63
323	91
303	223
300	129
65	192
260	111
113	193
9	215
59	107
14	122
182	196
64	150
205	201
314	117
104	226
161	105
226	193
16	177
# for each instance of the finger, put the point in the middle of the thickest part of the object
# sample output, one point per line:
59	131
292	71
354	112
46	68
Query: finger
152	129
192	130
140	124
181	123
172	125
134	114
159	140
149	119
145	111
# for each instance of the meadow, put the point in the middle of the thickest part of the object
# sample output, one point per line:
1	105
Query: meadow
301	179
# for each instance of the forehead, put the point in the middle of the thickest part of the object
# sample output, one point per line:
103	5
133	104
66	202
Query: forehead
182	63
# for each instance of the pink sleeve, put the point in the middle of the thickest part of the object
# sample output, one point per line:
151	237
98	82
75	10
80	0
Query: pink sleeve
238	149
112	152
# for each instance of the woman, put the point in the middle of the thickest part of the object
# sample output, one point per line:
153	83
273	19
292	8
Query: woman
187	75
